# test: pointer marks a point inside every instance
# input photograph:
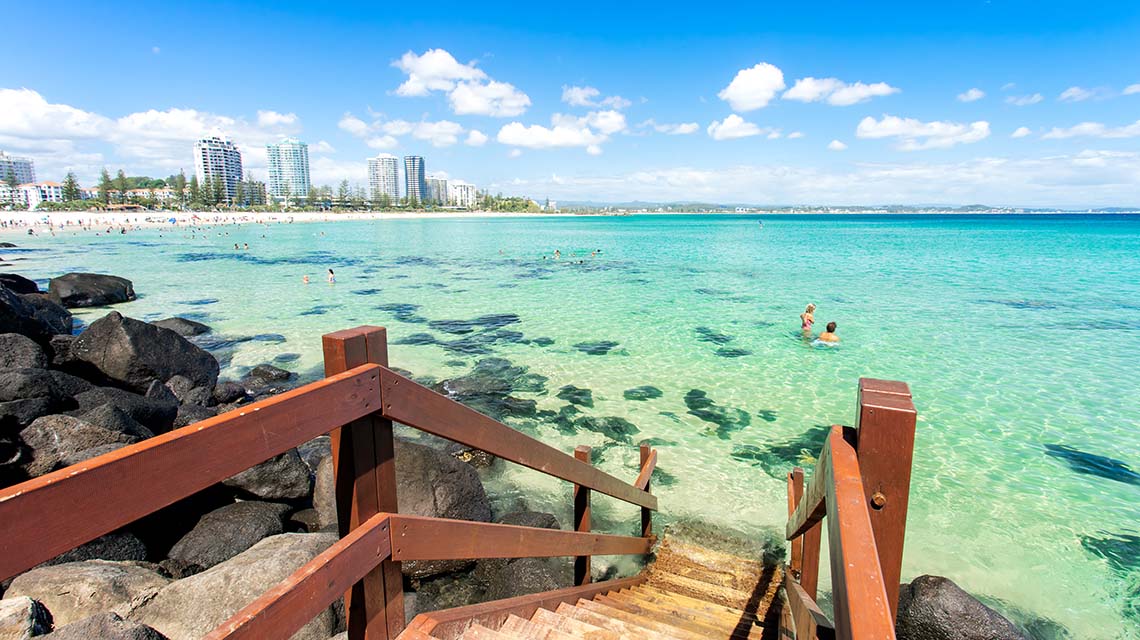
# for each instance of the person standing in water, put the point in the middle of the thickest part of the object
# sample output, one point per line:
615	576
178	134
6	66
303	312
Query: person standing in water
807	318
829	334
332	277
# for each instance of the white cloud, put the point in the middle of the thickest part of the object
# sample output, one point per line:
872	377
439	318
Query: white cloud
274	119
1131	89
493	98
385	134
469	89
1094	130
607	122
795	135
594	150
514	153
353	125
28	115
915	135
836	145
753	88
680	129
585	97
734	127
476	138
971	95
564	132
1007	86
323	147
1020	132
1075	94
443	133
836	92
382	142
1022	101
325	170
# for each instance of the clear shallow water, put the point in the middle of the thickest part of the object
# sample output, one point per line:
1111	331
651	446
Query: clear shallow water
1019	337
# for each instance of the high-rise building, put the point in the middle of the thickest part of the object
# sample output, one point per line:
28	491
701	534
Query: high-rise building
437	191
220	160
23	168
288	169
384	178
415	181
462	194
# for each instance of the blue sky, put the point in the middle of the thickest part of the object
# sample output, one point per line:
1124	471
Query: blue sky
831	103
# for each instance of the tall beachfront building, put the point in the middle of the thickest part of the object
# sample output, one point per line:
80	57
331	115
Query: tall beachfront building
437	191
462	194
23	168
415	180
384	177
288	169
220	160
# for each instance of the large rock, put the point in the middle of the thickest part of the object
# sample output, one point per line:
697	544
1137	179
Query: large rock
27	394
228	391
105	626
188	414
182	326
69	385
22	617
428	483
112	418
132	353
226	532
934	608
76	590
52	439
192	607
117	545
21	352
283	477
20	314
51	315
153	413
90	289
18	283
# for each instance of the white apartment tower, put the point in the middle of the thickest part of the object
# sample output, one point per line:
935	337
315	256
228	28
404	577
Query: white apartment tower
288	169
23	168
462	194
384	177
415	180
220	160
437	191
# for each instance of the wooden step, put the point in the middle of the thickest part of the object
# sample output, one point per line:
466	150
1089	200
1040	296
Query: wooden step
524	629
717	594
576	628
659	626
720	612
714	567
706	628
621	627
740	625
479	632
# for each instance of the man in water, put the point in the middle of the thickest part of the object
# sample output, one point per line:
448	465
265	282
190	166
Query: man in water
829	334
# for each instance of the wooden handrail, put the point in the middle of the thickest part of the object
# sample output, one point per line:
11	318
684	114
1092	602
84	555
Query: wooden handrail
810	622
415	405
289	606
647	468
77	504
423	538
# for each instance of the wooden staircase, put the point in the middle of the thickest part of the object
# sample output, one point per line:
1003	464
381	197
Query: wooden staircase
690	592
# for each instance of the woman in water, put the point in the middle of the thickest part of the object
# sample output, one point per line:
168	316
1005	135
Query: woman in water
332	278
807	319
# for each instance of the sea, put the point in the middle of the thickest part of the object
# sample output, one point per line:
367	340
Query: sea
1019	337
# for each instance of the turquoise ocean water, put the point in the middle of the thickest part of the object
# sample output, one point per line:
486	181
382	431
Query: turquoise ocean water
1019	337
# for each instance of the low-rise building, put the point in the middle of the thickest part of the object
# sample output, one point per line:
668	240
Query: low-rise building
32	194
462	194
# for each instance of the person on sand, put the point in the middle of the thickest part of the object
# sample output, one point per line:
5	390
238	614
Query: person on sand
829	334
332	277
807	318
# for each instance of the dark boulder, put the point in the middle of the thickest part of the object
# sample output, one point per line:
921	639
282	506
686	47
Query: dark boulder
118	546
132	353
27	394
188	414
50	314
53	438
264	374
576	395
84	455
934	608
201	396
18	284
179	386
283	477
21	352
18	314
183	327
314	451
154	414
105	626
59	346
112	418
69	385
227	392
642	393
226	532
7	245
90	289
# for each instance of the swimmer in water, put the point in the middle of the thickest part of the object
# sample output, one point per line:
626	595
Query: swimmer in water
807	318
829	334
305	279
557	254
332	278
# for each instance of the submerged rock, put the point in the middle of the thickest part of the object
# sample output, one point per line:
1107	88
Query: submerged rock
488	388
76	590
778	458
133	353
727	419
576	395
934	608
1093	464
599	348
705	334
645	392
90	289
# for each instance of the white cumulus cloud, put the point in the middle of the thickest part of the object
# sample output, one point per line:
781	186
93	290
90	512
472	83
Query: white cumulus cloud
1020	132
500	99
971	95
563	132
1075	94
753	88
734	127
476	138
1023	101
323	147
470	90
273	119
836	92
836	145
1094	130
586	97
915	135
678	129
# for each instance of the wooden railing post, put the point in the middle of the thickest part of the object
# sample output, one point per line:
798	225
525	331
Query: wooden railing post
646	514
582	519
364	464
885	447
795	494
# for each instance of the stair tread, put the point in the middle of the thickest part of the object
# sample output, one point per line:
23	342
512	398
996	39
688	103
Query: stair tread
479	632
572	626
693	623
659	626
531	630
687	610
717	594
678	599
622	627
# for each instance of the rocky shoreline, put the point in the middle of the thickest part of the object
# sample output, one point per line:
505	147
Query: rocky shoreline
65	398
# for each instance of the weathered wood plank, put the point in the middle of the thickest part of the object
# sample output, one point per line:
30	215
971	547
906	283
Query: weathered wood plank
284	609
813	506
810	623
582	518
422	538
415	405
45	516
648	464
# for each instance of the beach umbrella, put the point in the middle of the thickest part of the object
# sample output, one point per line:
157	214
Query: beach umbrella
173	220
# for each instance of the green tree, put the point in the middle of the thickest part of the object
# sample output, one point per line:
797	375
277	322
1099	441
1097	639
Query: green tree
178	185
195	192
239	194
220	193
342	194
286	195
71	187
314	197
122	185
105	187
385	201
